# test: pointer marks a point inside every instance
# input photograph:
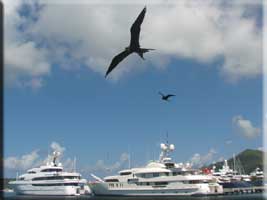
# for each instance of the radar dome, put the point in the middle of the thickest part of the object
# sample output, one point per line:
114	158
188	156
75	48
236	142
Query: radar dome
172	147
163	146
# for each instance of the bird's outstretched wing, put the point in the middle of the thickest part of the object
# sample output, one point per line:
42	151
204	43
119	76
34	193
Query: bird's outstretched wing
135	29
161	94
170	95
116	60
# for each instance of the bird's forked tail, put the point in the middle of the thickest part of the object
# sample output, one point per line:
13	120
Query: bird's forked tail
143	50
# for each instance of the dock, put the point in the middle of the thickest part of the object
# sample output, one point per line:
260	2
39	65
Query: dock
244	190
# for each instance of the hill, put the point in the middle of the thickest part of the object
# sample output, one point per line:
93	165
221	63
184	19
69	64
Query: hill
249	159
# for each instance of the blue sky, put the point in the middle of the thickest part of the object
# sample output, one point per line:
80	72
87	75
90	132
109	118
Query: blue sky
63	96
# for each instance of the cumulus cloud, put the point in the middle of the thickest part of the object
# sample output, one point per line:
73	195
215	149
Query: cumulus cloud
245	127
25	62
200	160
24	162
13	164
104	168
34	159
57	147
93	34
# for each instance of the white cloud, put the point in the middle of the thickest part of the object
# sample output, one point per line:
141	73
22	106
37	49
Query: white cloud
33	159
245	127
23	58
93	34
199	160
243	50
104	168
24	162
57	147
34	83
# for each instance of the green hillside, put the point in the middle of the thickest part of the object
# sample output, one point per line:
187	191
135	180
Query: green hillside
249	159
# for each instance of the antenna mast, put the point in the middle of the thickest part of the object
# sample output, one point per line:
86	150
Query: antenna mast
234	163
167	137
74	164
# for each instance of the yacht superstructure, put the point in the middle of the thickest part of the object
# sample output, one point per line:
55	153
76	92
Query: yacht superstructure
157	178
257	173
226	174
50	179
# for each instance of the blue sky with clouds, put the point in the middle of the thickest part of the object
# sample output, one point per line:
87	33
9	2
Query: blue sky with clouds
56	93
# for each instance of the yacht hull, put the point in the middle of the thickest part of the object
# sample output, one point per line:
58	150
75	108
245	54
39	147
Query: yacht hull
28	189
102	189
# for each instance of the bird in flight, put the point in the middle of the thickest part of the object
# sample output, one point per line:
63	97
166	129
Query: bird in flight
134	43
166	97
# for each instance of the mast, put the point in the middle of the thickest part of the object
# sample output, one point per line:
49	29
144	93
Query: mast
129	158
129	161
234	163
74	164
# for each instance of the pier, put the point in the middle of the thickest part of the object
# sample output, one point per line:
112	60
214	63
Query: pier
244	190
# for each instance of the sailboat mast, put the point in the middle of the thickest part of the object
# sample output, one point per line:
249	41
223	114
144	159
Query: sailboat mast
234	163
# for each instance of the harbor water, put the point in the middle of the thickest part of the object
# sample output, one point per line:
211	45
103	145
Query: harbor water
255	196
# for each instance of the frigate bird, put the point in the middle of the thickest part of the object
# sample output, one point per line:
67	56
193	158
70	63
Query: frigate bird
134	43
166	97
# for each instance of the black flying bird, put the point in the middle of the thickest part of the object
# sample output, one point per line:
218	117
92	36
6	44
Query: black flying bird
166	97
134	43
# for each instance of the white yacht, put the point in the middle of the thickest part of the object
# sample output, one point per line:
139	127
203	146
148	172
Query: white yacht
227	175
50	179
257	173
157	178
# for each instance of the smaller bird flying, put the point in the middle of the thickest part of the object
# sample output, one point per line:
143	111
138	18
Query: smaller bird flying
134	46
166	97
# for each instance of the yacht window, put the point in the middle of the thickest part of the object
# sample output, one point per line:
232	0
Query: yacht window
72	184
31	172
112	180
148	175
161	183
155	174
169	165
140	175
166	173
55	184
125	173
133	180
21	178
48	178
176	173
195	181
51	170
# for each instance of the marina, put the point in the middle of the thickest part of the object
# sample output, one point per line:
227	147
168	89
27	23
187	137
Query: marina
107	81
158	178
250	196
161	178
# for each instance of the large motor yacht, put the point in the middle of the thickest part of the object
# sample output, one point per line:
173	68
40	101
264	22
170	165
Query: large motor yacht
157	178
50	179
